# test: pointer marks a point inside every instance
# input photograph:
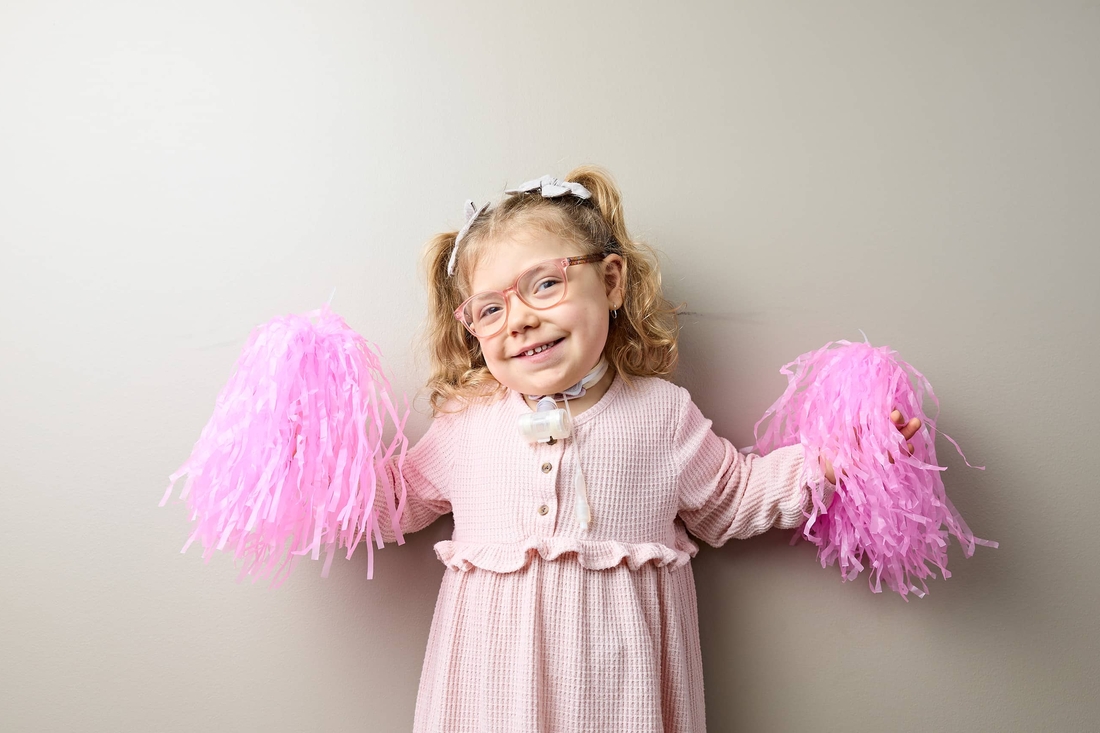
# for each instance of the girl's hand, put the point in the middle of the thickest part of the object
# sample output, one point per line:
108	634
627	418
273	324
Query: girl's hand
908	430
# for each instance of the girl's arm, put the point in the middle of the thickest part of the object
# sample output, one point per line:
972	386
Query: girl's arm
724	494
426	472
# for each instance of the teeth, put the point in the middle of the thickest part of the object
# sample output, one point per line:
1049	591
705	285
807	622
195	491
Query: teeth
532	352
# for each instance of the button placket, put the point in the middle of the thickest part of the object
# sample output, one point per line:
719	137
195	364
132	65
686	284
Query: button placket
547	496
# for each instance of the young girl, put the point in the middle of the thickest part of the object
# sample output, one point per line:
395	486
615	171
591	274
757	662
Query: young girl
568	603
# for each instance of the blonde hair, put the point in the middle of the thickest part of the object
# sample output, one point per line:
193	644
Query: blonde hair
641	341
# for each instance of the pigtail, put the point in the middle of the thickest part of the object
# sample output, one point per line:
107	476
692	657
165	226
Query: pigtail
605	197
457	366
643	339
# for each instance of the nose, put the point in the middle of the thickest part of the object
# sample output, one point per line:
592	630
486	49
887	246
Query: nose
520	315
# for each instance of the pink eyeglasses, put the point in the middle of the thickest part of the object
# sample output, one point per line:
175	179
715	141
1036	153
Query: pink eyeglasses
540	287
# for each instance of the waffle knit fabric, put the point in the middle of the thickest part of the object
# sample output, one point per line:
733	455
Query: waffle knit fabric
544	626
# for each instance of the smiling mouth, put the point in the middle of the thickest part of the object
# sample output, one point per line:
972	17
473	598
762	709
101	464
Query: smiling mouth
539	349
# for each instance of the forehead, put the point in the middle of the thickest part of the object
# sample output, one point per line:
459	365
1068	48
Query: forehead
499	261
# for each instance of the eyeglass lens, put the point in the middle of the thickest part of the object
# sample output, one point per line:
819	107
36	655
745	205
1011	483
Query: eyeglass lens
540	287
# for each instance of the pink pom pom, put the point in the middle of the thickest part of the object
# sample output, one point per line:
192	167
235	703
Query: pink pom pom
293	456
892	515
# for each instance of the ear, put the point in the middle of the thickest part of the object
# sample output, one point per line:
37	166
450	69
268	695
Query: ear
614	278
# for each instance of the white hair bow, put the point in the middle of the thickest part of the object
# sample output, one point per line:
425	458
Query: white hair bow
472	213
548	186
551	187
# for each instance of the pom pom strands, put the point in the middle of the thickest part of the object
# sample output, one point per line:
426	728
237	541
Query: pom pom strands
294	454
890	507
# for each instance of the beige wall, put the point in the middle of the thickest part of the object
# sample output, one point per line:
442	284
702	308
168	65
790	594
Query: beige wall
169	178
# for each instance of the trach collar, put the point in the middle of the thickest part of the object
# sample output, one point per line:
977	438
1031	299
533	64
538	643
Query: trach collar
549	423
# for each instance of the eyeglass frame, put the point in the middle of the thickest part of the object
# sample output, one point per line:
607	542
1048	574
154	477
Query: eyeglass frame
563	263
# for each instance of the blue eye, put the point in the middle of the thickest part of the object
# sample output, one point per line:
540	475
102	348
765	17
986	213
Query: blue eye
488	312
546	284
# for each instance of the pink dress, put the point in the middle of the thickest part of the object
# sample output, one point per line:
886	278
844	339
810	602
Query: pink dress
544	626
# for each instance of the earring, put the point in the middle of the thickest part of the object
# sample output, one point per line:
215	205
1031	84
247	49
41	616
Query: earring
615	313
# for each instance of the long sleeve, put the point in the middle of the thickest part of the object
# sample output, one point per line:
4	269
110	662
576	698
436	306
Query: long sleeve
723	494
425	473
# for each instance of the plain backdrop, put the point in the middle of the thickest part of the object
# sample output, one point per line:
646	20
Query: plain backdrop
174	173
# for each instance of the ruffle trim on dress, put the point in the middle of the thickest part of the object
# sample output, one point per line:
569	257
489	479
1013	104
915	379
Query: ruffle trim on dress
508	558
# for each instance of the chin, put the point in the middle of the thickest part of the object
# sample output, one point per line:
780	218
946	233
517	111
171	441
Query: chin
545	381
528	387
535	386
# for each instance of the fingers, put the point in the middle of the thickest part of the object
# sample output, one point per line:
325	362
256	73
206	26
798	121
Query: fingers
911	428
908	428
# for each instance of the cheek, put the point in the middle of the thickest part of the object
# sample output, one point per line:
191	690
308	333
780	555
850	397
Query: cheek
596	329
493	350
604	330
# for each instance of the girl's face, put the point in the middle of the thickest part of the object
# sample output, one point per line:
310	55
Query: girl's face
574	331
